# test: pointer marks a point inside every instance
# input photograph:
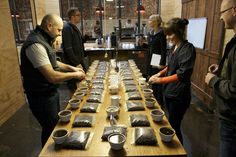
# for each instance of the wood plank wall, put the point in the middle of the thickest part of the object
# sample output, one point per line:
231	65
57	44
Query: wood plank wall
11	91
170	9
213	42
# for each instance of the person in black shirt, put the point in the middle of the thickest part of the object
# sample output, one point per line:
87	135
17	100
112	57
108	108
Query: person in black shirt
157	46
97	29
176	76
72	41
222	78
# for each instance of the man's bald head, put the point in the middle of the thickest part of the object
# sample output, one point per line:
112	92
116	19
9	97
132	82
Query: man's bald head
52	19
52	24
228	14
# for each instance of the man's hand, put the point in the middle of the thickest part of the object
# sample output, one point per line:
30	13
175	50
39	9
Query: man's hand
208	77
79	69
79	75
213	68
79	66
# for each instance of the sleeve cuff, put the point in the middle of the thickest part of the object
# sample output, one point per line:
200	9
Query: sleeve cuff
213	81
168	79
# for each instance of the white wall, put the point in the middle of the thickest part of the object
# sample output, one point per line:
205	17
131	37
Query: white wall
52	6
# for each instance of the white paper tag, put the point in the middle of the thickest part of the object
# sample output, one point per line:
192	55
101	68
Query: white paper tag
155	61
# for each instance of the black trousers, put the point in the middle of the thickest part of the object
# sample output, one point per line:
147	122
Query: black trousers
157	88
45	108
72	84
176	108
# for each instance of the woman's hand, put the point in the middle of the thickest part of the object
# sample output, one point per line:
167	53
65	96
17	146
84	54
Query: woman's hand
154	79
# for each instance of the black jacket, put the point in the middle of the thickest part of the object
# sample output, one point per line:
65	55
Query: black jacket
72	45
33	80
224	84
181	62
157	45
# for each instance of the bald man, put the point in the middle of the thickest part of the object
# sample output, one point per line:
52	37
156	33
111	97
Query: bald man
222	79
42	72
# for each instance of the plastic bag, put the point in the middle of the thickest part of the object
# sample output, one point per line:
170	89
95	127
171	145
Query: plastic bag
100	76
98	81
89	107
96	91
83	120
95	98
130	88
134	96
127	77
98	86
129	82
145	136
139	120
113	129
77	140
135	106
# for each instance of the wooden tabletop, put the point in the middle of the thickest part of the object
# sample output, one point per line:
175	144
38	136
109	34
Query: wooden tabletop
98	147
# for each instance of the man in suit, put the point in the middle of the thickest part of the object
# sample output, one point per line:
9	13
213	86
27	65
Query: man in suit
72	41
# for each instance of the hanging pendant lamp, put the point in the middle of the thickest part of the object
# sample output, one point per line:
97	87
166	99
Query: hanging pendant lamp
142	9
99	10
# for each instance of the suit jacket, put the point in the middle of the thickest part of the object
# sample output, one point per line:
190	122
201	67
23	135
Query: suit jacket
224	84
157	45
72	45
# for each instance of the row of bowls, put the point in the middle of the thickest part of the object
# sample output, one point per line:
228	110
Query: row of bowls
116	140
166	133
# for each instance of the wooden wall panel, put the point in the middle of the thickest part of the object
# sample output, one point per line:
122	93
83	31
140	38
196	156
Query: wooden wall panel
178	7
170	9
199	9
213	42
198	76
218	31
52	6
11	91
40	10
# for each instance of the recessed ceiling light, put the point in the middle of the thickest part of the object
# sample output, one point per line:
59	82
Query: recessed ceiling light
120	6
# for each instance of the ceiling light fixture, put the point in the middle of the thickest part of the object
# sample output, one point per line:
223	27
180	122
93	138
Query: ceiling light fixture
99	10
142	9
120	6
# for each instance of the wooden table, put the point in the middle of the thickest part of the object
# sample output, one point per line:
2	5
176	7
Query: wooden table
100	148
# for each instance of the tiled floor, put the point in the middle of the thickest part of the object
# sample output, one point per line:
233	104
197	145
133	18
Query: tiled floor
20	135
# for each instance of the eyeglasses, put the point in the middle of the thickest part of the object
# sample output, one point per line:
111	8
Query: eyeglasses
221	12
